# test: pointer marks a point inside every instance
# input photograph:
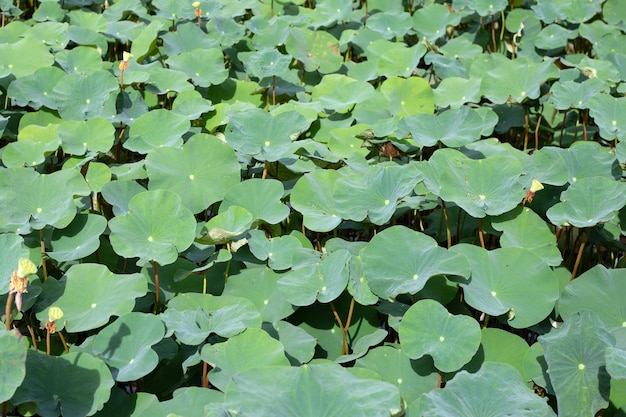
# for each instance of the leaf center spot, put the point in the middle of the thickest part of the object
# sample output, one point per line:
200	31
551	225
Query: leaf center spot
399	380
267	143
39	209
265	302
93	305
88	101
482	196
581	366
493	293
386	202
150	238
192	177
441	338
415	276
324	288
614	122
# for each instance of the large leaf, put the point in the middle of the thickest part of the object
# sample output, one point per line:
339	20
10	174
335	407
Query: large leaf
389	274
79	239
46	384
260	197
156	129
496	389
13	348
310	391
201	171
88	295
427	328
577	366
82	96
14	60
313	197
142	233
509	280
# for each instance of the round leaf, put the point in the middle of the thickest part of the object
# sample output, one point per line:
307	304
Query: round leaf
260	197
79	239
95	135
82	96
156	129
13	348
142	233
205	67
313	197
427	328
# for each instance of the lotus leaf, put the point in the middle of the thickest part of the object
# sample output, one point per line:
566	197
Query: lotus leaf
608	113
259	285
125	345
250	349
575	354
165	80
259	197
142	233
204	66
329	12
174	10
431	21
119	193
201	171
389	275
390	24
496	389
79	239
24	154
427	328
226	226
264	136
588	201
146	41
299	345
82	96
196	402
598	290
456	91
278	251
88	295
497	345
46	384
340	93
81	59
14	61
12	363
35	90
79	137
509	280
310	391
225	29
12	249
187	37
395	59
156	129
266	63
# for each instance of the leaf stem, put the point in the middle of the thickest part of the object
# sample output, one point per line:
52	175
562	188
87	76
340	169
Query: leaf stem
43	255
7	310
587	232
155	268
344	345
480	233
445	215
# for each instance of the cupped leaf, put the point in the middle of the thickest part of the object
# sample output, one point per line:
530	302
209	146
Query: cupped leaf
13	349
250	349
201	171
340	93
588	201
313	197
46	384
389	274
599	290
79	239
155	129
314	278
265	62
266	137
456	91
260	197
509	280
575	354
126	345
88	295
142	233
432	21
278	251
35	90
570	94
427	328
608	113
310	391
489	186
496	389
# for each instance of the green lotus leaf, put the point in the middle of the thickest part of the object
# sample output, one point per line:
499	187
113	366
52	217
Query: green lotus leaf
89	294
46	135
536	368
389	275
361	347
191	104
497	345
574	95
131	405
259	197
608	113
456	91
142	233
188	316
12	250
571	11
432	21
299	345
78	240
187	37
390	25
174	10
130	105
616	362
328	12
314	278
313	197
39	200
165	80
94	135
46	384
550	166
412	377
259	285
395	59
269	33
204	66
588	201
250	349
523	228
277	251
340	93
119	193
509	280
12	362
289	391
35	90
454	128
81	59
482	7
196	402
201	171
24	154
575	354
125	345
98	174
427	328
157	129
374	193
481	187
226	226
554	36
408	96
145	43
82	96
264	136
497	389
48	11
225	29
599	290
265	62
499	87
14	61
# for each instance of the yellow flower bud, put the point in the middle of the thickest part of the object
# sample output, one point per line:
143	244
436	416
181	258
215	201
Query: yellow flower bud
25	267
536	186
196	4
126	56
55	313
